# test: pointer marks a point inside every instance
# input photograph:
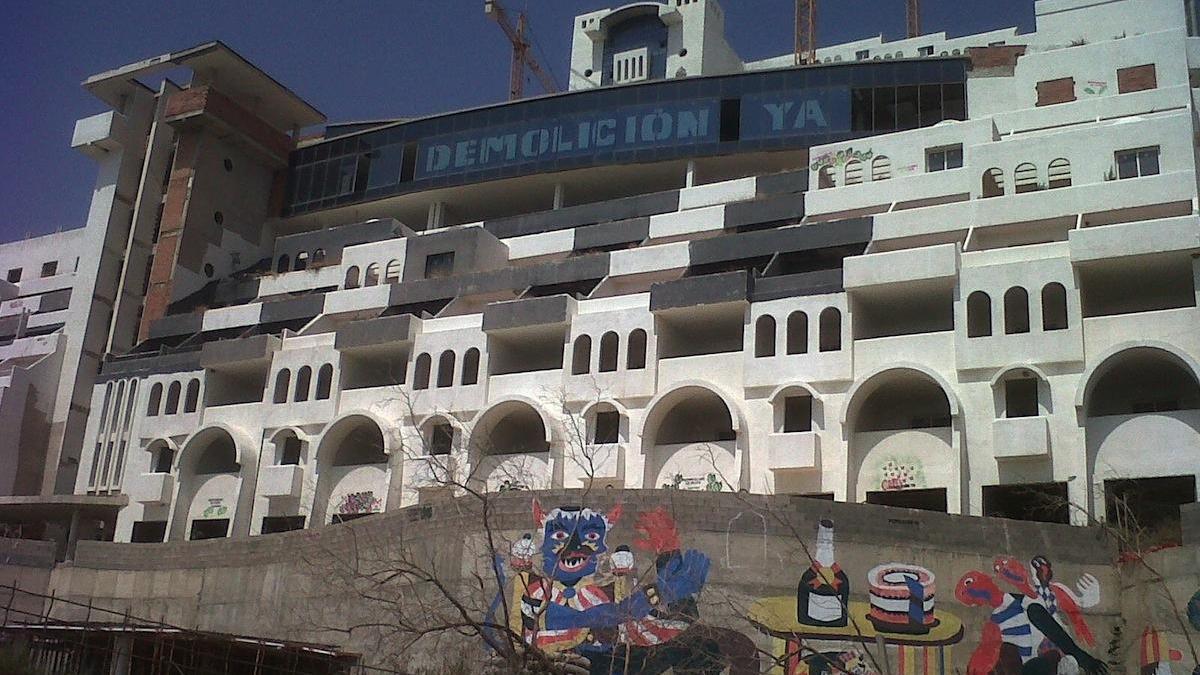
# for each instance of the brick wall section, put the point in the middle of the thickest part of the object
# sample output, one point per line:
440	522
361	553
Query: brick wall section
998	60
1052	92
208	101
1137	78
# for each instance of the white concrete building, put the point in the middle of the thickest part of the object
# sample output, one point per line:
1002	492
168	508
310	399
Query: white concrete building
950	273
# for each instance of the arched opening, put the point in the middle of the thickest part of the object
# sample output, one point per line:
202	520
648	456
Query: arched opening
154	404
635	357
372	276
510	447
318	257
391	273
793	411
303	382
421	372
979	314
1059	174
210	482
1142	417
690	440
701	417
192	398
1025	178
764	336
445	374
283	380
218	456
881	168
581	355
470	371
609	344
1020	392
825	178
605	425
901	442
352	470
797	333
324	382
301	263
831	330
173	398
352	277
853	172
284	264
162	457
289	449
1054	306
1016	311
520	431
993	183
361	443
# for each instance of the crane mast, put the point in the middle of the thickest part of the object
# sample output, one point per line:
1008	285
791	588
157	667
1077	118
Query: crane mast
521	57
913	15
806	31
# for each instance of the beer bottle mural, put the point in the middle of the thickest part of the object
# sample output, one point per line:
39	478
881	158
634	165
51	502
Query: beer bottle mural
824	590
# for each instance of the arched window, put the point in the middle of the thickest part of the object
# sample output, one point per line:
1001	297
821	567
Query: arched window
163	458
635	355
324	382
318	256
372	276
301	261
391	273
825	178
609	344
283	380
1025	178
993	183
352	277
1016	311
853	172
192	400
1054	306
445	374
155	402
303	381
881	168
1059	174
797	333
831	330
979	314
284	264
764	336
173	398
421	375
470	371
581	355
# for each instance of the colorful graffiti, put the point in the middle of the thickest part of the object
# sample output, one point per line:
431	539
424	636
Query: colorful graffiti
708	483
216	509
898	474
1095	87
838	159
1157	654
355	503
510	485
588	600
1024	633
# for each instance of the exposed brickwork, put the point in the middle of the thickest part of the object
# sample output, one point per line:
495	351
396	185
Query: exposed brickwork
1137	78
208	101
1000	56
1052	92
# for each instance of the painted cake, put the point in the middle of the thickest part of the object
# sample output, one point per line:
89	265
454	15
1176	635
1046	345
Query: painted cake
902	598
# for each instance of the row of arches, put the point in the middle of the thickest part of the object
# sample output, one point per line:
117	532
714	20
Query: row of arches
303	385
829	334
191	402
610	343
1027	178
445	369
392	272
303	259
854	171
1016	311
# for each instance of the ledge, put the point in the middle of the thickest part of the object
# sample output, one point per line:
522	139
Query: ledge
710	289
1019	437
373	332
555	309
240	350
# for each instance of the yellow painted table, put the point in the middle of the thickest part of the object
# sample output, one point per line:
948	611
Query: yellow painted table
917	654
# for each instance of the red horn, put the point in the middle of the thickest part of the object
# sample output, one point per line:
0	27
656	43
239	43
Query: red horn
539	516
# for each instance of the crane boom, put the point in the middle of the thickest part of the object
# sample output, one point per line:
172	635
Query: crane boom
914	18
806	31
521	57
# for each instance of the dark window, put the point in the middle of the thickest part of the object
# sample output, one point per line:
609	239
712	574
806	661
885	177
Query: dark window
979	314
1038	502
303	381
347	517
927	50
1016	311
635	358
1021	397
439	265
581	355
831	330
941	159
470	371
862	55
173	398
283	380
609	344
954	101
14	275
49	269
164	459
441	441
797	333
884	118
149	532
1146	510
290	454
155	402
445	374
908	107
324	382
608	427
1054	307
764	336
925	500
284	264
209	528
1136	163
797	414
192	398
275	524
421	375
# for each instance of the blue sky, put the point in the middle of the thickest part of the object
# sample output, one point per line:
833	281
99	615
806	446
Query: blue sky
351	59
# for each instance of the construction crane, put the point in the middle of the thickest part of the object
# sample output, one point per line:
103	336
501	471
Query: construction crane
806	31
521	57
914	18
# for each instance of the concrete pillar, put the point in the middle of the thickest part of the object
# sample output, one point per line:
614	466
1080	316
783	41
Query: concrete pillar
122	648
691	173
559	195
72	535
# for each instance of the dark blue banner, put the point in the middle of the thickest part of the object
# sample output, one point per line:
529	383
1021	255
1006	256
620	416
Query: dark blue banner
797	112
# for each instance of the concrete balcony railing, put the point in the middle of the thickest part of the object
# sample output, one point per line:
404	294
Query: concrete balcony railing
794	450
100	134
883	270
427	472
151	488
285	480
1129	239
1016	437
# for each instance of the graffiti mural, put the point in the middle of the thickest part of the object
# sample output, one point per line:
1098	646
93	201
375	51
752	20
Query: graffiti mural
357	503
1156	653
900	474
1025	633
708	483
216	509
1193	611
838	159
588	599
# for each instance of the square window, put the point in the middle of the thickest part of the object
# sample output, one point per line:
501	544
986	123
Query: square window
49	269
608	427
1021	397
797	414
209	528
925	51
862	54
149	532
439	265
442	440
14	275
941	159
291	451
1138	162
273	524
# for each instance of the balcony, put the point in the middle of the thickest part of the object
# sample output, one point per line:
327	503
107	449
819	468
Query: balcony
281	481
429	471
1019	437
98	135
1141	238
152	488
797	451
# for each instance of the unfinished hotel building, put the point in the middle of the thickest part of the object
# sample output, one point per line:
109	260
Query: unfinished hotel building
952	273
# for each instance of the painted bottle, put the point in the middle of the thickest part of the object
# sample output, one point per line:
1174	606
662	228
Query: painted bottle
823	593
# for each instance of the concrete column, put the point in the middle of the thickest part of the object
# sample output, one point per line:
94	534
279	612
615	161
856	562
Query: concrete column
72	535
691	173
559	195
122	647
